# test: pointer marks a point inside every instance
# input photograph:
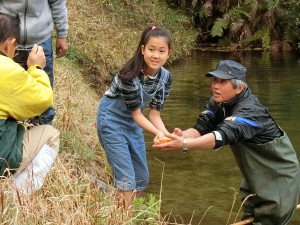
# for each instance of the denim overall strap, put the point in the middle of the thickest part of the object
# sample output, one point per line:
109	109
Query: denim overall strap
146	98
163	80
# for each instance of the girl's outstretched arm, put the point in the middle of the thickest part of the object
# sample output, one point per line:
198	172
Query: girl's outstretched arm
144	123
155	119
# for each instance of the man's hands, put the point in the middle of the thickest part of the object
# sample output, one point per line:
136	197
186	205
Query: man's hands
36	57
178	132
175	143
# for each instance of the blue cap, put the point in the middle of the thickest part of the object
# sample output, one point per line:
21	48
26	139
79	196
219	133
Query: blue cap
228	69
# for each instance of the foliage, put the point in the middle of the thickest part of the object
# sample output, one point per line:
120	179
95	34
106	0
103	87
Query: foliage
271	24
291	21
107	33
219	26
147	210
263	35
102	35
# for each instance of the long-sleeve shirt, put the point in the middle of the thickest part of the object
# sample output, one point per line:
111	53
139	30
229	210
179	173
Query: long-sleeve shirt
130	90
37	19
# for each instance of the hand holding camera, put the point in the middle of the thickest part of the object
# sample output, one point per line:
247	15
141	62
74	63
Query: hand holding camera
30	56
36	57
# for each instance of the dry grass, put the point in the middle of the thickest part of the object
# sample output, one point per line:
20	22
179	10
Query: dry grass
69	194
102	36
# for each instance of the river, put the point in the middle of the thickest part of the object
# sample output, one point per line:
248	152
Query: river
201	187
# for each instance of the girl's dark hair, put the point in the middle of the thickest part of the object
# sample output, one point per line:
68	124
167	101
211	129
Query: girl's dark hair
134	66
9	27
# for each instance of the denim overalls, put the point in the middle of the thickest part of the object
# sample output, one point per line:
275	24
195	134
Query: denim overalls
123	140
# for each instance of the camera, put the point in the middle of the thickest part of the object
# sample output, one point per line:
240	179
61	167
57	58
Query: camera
21	56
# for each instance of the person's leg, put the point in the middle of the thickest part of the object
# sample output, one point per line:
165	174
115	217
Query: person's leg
119	160
48	50
248	206
47	116
137	149
111	135
40	148
139	160
34	139
124	199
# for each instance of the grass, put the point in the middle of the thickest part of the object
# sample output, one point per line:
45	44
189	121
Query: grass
103	34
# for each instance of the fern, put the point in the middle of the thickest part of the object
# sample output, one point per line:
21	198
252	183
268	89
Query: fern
221	24
253	38
237	13
218	28
262	35
265	39
248	2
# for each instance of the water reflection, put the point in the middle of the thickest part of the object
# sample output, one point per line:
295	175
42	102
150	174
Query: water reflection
200	185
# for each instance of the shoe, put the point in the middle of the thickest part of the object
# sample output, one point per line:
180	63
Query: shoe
39	120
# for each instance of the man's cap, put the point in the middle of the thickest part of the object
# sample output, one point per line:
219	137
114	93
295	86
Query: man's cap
228	69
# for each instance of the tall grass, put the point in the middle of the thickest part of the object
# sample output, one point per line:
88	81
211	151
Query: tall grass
70	194
103	34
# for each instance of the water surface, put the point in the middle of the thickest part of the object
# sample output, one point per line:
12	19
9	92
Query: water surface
203	185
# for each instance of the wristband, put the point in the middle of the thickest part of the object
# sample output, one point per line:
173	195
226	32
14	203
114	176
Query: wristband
219	140
185	146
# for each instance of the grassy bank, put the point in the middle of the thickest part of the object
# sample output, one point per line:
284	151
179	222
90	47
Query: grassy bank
103	35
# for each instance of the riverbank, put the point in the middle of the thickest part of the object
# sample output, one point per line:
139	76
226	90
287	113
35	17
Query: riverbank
103	35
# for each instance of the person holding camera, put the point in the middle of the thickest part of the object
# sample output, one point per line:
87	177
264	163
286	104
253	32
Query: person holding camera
28	154
37	18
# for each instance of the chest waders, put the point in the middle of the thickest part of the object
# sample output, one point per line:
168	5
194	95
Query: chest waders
271	172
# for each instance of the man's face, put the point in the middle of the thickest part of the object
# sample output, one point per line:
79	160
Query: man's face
223	90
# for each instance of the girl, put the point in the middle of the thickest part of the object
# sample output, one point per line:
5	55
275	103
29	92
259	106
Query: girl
120	121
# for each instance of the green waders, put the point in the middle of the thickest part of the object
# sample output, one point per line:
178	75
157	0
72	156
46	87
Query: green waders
271	172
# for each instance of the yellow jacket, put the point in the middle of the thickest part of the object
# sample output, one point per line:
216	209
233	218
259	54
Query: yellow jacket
24	94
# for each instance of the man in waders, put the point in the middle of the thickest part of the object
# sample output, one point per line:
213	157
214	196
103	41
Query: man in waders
263	151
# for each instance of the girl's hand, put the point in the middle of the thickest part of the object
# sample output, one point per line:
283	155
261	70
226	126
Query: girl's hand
175	143
161	138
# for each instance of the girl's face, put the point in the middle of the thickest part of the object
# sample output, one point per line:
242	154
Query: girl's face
156	53
223	90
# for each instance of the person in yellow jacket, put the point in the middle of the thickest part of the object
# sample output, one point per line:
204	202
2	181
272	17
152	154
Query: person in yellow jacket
27	154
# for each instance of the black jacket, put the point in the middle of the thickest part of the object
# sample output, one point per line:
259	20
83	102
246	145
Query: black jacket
243	118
